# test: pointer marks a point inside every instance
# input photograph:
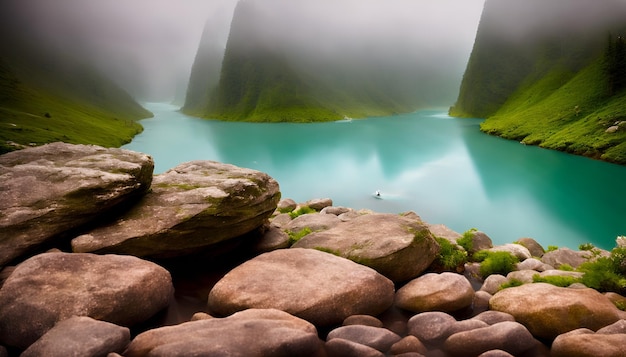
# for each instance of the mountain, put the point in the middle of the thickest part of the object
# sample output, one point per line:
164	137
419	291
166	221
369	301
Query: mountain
538	73
290	61
48	95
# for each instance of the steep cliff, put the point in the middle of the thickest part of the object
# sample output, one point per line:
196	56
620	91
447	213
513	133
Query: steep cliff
538	73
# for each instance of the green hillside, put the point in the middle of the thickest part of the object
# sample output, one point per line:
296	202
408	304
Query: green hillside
50	103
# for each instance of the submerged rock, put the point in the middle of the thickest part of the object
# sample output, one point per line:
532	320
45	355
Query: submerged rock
50	189
191	206
399	247
316	286
51	287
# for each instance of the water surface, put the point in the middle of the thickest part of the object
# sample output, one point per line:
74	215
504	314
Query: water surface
442	168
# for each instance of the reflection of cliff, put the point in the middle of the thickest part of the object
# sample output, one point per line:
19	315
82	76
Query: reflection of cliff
282	64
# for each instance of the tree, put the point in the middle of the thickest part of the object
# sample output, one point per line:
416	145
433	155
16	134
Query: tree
615	64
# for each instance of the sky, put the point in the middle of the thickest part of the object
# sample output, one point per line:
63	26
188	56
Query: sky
148	46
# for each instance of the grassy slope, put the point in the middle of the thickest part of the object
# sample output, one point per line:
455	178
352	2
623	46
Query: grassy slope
565	111
89	112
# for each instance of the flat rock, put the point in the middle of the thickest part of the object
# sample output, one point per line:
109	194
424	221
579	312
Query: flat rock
511	337
586	344
399	247
191	206
51	189
80	336
250	333
548	311
446	292
316	286
51	287
313	221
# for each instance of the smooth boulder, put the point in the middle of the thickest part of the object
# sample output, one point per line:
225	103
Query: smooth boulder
508	336
585	343
192	206
548	311
447	292
51	189
399	247
316	286
250	333
52	287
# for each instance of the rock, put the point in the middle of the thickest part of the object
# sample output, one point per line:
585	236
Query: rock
480	241
617	328
548	311
51	287
338	347
524	276
535	249
313	221
555	272
201	316
617	299
511	337
80	336
533	264
274	238
493	282
481	302
493	317
439	230
316	286
375	337
337	211
585	344
495	353
51	189
409	344
286	205
365	320
399	247
254	332
430	327
281	220
516	250
319	203
191	206
612	129
446	292
561	256
466	325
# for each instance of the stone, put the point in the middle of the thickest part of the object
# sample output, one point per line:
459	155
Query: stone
80	336
409	344
586	344
51	189
375	337
548	311
313	221
618	327
612	129
466	325
286	205
281	220
561	256
446	292
516	250
192	206
480	241
495	353
338	347
274	238
319	287
52	287
337	211
556	272
481	302
617	299
399	247
254	332
319	203
511	337
525	276
533	264
430	327
535	249
365	320
493	317
493	282
442	231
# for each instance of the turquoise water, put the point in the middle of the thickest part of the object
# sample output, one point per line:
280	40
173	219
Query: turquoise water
442	168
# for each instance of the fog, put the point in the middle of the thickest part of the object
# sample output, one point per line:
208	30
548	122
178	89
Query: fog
148	46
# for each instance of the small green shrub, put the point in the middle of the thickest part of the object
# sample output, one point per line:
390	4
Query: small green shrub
511	284
557	280
586	246
552	248
618	257
300	211
566	267
603	275
620	305
495	262
467	241
296	236
285	210
449	258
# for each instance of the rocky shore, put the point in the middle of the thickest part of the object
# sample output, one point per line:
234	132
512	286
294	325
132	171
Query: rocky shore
98	257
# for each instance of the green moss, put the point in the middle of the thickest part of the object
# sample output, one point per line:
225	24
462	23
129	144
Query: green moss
511	284
557	280
495	262
296	236
300	211
467	240
449	258
328	250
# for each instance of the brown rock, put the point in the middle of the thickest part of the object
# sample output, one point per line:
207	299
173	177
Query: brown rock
447	292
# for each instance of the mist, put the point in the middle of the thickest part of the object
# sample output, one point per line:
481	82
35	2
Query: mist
148	46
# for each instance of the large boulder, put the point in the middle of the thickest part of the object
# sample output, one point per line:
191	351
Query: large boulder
51	287
191	206
316	286
54	188
563	256
548	311
81	336
585	343
254	332
399	247
447	292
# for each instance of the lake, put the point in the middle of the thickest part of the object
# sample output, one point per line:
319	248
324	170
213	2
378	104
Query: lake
442	168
